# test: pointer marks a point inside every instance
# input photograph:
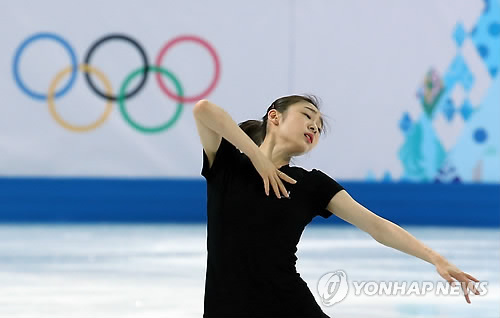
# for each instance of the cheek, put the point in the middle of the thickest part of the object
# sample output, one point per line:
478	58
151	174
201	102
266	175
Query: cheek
289	132
295	124
292	127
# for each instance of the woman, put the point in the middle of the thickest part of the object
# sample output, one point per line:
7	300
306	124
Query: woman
252	235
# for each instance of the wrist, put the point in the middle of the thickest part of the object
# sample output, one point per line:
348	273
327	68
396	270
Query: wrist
437	259
253	152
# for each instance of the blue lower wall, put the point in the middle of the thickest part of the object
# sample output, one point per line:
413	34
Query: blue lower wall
184	201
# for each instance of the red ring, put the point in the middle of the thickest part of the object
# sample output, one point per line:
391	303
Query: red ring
163	51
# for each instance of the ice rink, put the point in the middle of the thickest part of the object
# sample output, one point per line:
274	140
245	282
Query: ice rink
107	270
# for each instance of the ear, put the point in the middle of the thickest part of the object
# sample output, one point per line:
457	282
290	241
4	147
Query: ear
273	116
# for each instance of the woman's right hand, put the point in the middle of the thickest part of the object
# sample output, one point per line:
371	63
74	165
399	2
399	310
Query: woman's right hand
270	174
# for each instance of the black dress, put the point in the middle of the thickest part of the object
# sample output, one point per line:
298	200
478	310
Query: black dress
252	238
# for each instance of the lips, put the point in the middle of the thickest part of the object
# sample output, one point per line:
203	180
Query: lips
309	138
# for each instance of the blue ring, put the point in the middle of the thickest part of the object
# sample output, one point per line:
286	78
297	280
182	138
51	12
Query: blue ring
17	57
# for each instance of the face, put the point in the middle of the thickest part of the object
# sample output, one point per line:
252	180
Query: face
301	119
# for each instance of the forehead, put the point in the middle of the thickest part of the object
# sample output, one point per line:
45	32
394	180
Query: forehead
305	105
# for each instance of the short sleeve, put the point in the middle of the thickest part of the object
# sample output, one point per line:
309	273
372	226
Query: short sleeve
224	158
323	188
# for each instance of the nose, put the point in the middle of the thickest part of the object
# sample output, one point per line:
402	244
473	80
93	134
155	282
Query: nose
313	128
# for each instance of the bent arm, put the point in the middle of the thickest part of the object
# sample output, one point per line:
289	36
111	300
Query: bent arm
213	122
382	230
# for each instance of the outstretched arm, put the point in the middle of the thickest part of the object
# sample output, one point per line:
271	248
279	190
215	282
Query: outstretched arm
392	235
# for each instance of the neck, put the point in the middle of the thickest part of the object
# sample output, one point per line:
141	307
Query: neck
274	152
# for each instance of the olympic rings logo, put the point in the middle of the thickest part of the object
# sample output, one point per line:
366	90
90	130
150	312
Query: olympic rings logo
123	93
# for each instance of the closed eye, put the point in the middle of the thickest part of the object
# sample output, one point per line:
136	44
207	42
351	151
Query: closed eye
319	129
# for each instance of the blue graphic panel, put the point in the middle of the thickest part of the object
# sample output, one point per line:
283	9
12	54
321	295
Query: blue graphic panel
475	156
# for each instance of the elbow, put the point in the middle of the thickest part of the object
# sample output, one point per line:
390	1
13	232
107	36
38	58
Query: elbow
378	230
200	106
206	112
377	237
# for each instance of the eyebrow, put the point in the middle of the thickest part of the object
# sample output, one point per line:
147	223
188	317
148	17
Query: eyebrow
314	111
311	109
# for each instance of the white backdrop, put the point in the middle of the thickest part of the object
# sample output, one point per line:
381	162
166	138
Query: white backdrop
364	59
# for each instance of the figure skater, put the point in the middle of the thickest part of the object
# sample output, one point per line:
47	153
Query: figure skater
252	236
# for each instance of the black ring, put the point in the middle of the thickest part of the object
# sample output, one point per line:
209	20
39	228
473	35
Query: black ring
137	46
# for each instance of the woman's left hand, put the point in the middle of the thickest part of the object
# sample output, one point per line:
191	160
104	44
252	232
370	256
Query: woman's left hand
450	272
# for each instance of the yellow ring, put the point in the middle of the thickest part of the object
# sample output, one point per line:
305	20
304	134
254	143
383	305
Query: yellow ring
52	108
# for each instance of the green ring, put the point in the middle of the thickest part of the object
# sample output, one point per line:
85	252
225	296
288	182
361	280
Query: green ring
123	110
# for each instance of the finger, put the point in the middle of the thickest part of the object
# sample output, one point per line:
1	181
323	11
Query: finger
287	178
471	277
466	283
473	288
275	187
449	279
282	187
466	291
266	186
465	288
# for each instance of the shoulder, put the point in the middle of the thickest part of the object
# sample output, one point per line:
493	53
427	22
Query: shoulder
312	173
307	178
317	178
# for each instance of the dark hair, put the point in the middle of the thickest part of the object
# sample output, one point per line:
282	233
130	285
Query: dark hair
257	129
